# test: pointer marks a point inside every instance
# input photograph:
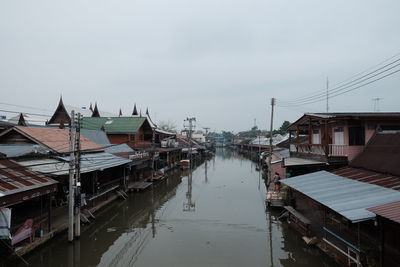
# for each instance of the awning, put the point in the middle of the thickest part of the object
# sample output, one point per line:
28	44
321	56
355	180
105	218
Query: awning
89	162
291	162
348	197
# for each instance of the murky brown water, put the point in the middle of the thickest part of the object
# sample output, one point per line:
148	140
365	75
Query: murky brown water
221	223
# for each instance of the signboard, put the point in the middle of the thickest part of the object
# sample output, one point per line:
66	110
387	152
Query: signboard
3	117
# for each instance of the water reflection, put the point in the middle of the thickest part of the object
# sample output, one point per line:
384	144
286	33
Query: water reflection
223	222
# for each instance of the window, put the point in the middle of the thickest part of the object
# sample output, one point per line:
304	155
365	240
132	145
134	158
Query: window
132	138
356	136
338	136
315	137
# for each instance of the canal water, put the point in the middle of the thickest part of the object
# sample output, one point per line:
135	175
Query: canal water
214	217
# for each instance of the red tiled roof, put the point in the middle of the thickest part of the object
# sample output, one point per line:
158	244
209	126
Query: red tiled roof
18	183
56	139
371	177
390	211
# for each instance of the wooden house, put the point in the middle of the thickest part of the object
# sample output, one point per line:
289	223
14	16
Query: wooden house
134	131
334	139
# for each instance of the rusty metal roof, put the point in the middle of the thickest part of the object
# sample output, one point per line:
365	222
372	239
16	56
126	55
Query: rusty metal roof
371	177
381	153
389	211
18	183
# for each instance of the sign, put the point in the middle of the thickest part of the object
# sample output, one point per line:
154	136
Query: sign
3	117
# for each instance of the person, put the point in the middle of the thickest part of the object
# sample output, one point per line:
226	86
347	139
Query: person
277	182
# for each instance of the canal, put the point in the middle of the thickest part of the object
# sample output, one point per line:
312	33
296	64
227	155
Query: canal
215	217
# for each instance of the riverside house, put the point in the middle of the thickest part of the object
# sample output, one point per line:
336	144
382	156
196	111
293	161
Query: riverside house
334	139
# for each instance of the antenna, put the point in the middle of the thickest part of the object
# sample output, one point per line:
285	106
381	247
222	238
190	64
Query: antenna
376	103
327	95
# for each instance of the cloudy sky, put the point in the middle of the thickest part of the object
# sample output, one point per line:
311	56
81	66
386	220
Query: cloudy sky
217	60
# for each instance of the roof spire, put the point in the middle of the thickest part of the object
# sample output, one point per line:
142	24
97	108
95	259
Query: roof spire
147	111
134	113
95	111
21	120
140	115
90	107
120	112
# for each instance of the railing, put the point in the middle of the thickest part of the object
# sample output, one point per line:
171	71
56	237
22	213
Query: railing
316	149
337	150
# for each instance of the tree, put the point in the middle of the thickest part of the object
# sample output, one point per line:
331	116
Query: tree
284	127
168	126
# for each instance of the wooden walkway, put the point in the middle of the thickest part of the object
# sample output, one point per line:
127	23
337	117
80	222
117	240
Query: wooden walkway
276	199
139	186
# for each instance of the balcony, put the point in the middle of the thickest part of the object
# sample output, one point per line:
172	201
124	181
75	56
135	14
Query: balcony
330	153
338	150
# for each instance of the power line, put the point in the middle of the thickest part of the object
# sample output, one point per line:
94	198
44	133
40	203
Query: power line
345	86
322	92
340	92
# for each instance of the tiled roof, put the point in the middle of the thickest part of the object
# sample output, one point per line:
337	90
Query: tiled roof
55	139
114	124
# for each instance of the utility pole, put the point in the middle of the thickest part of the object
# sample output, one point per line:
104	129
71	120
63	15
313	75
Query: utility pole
327	95
153	140
270	141
71	192
190	206
78	177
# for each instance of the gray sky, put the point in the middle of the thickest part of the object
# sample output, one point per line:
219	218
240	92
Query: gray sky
217	60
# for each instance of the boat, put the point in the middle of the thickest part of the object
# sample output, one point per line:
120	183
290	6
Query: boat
185	164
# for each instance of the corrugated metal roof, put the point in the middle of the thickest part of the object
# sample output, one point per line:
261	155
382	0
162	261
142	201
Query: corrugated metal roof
15	179
21	150
390	211
381	153
121	148
292	161
89	162
99	137
114	124
347	197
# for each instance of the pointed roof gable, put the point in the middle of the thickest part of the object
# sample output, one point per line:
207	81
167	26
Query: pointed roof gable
152	124
21	120
60	115
120	112
95	111
134	113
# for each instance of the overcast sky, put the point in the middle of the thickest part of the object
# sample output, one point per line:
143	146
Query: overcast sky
217	60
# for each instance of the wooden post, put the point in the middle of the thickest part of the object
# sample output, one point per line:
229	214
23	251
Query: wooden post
49	212
310	131
326	139
382	237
